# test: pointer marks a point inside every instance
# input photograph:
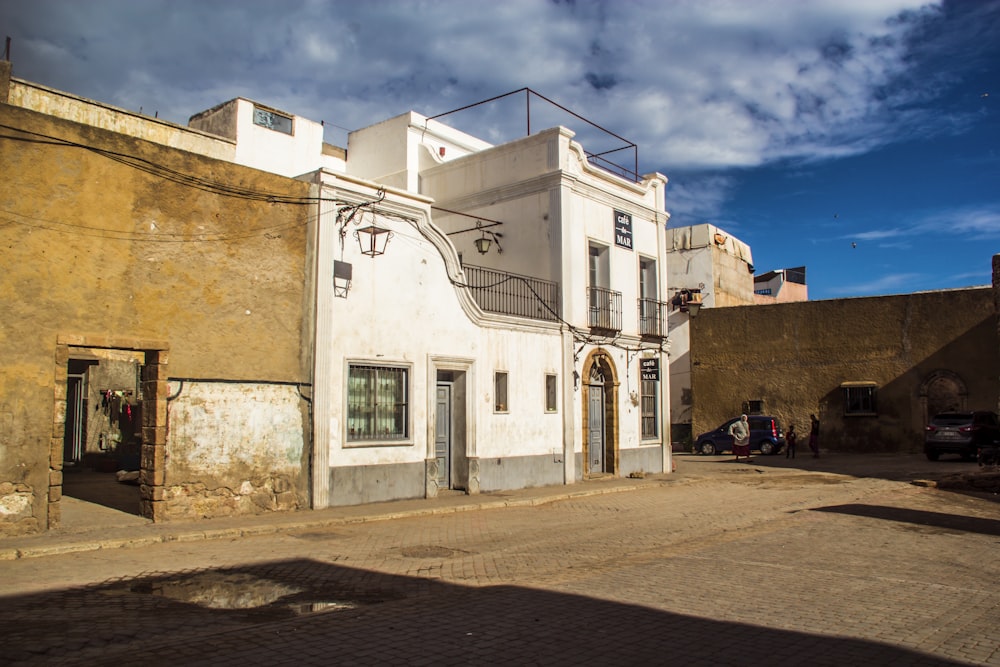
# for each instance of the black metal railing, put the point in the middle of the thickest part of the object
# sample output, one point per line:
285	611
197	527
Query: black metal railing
604	308
653	318
512	294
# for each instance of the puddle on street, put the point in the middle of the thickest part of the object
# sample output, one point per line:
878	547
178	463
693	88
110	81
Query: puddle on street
237	591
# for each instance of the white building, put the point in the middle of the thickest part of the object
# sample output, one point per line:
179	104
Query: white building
504	370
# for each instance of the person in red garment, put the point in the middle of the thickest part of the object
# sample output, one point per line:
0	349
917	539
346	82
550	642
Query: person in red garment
740	430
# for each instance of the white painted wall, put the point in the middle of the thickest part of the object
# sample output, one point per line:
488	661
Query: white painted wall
289	155
220	431
394	151
400	310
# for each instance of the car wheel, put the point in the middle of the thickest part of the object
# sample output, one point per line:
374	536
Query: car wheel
767	448
707	448
932	455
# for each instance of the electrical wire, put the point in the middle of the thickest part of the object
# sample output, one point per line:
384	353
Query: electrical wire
344	214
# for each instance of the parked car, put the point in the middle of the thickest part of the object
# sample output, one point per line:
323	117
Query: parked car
960	433
766	436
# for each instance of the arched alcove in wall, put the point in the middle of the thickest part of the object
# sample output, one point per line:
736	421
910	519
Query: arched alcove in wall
942	391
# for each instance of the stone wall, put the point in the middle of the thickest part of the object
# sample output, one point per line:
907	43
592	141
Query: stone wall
795	357
112	242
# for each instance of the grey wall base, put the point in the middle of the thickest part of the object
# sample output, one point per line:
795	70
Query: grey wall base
358	485
519	472
642	459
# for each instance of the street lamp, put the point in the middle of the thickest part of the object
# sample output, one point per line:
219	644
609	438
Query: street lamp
373	240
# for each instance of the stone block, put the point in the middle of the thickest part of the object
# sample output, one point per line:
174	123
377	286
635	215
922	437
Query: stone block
155	436
56	453
152	493
154	457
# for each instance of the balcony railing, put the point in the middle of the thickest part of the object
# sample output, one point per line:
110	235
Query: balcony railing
604	309
653	318
511	294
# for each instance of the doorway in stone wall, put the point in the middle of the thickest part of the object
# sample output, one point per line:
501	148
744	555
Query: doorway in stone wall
109	435
102	439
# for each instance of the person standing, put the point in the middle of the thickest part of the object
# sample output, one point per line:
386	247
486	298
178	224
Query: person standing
814	435
740	430
790	439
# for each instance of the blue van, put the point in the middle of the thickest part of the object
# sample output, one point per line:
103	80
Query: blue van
766	437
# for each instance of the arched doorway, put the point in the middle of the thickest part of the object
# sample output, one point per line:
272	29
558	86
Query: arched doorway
942	391
600	415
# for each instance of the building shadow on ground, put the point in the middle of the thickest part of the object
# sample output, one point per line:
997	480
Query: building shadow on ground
306	612
951	522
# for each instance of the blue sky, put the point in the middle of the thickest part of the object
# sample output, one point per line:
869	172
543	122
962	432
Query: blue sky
860	138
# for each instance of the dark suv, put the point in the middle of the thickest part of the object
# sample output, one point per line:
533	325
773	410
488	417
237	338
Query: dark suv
960	433
765	435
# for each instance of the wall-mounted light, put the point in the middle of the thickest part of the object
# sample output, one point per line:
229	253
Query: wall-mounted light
483	244
373	240
687	301
342	272
487	237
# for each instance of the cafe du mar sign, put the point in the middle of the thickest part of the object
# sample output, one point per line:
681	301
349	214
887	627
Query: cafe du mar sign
650	368
623	230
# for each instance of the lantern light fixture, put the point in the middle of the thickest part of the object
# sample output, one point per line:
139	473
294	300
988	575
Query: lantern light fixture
373	240
688	301
483	244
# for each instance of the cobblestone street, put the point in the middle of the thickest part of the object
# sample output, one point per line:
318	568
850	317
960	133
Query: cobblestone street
762	563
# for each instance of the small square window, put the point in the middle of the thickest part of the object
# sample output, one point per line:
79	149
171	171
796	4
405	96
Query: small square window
550	393
755	407
500	391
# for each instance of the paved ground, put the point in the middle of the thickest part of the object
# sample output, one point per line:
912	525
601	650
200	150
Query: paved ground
841	560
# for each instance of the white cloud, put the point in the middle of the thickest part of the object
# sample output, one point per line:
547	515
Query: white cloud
696	84
893	283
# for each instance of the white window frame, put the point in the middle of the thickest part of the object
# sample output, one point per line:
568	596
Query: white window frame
370	408
551	393
501	391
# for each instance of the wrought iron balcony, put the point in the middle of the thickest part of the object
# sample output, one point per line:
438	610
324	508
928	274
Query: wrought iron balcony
653	318
512	294
604	307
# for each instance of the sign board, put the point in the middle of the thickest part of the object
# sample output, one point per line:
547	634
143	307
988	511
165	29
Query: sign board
650	369
623	230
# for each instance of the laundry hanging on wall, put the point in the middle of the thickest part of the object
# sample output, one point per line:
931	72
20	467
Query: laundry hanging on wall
115	403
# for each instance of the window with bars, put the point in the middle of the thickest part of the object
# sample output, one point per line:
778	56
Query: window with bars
377	403
859	399
649	411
